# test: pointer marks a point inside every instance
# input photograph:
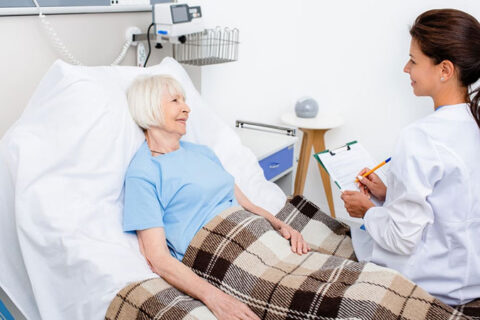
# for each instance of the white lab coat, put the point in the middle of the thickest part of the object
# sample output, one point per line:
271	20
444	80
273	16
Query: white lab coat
429	226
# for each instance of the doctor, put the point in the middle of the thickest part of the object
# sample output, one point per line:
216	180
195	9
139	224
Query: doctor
429	225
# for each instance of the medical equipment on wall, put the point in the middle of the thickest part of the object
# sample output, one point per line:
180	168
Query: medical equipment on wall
178	24
63	50
182	26
173	21
212	46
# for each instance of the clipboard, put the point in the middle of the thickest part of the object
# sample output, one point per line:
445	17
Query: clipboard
343	164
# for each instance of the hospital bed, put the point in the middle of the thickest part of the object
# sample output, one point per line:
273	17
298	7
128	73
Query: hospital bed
62	165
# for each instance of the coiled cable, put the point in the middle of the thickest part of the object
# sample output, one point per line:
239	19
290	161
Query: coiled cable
63	50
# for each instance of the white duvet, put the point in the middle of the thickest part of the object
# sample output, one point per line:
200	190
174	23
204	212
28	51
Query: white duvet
62	166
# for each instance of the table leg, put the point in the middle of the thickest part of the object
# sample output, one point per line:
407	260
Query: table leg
319	146
302	168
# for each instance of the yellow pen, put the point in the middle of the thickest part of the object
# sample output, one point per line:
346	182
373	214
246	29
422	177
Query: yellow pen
366	174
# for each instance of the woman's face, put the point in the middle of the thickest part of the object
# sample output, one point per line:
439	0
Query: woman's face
424	74
175	112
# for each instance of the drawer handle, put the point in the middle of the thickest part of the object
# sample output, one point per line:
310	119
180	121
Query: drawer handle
274	165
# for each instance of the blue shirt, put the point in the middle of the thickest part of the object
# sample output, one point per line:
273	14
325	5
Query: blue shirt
180	191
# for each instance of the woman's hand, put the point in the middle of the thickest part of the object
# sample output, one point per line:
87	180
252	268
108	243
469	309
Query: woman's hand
226	307
299	246
373	184
356	203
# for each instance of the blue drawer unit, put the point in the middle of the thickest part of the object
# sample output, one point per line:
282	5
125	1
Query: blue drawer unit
277	163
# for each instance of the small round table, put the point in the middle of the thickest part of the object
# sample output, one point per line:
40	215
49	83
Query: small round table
313	135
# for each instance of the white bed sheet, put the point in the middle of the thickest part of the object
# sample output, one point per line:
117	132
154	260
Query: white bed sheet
62	167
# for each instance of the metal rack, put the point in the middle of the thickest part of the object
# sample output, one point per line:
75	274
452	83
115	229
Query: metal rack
212	46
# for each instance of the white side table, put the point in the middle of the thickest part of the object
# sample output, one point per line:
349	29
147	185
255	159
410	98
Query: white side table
313	135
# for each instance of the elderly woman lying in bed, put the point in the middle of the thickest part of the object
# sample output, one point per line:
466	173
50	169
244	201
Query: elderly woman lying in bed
174	188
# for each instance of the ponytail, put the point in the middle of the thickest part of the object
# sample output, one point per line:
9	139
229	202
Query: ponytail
474	105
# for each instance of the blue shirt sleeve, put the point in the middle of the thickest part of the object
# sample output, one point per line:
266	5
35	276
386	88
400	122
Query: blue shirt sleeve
142	209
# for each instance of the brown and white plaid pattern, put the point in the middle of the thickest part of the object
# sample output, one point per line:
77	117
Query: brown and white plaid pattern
241	254
155	299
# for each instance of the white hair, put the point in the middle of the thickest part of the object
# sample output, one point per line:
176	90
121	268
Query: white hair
144	96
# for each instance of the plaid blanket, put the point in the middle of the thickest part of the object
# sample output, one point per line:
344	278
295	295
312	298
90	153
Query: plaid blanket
241	254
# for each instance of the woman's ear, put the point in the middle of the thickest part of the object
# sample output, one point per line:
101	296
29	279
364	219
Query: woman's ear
447	70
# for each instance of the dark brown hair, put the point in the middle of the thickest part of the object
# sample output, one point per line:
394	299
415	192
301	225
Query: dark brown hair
449	34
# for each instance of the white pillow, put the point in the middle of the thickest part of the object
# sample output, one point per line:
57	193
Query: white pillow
66	158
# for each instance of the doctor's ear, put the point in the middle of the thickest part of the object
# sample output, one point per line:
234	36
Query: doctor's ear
447	70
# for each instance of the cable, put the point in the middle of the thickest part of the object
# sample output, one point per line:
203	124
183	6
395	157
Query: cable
149	45
57	43
63	50
123	53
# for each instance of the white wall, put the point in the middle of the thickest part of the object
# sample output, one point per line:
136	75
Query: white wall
266	78
26	52
349	55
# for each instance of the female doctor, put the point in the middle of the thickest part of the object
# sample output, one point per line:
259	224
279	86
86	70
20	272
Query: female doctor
429	225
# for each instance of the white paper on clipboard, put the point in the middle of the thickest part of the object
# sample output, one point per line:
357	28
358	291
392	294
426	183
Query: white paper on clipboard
344	164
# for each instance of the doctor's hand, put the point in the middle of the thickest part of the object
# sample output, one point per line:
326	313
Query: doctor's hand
299	246
356	203
373	184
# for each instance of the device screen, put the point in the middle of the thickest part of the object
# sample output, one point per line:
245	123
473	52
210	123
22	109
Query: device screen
180	14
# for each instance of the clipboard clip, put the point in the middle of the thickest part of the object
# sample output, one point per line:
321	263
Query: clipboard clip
341	149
